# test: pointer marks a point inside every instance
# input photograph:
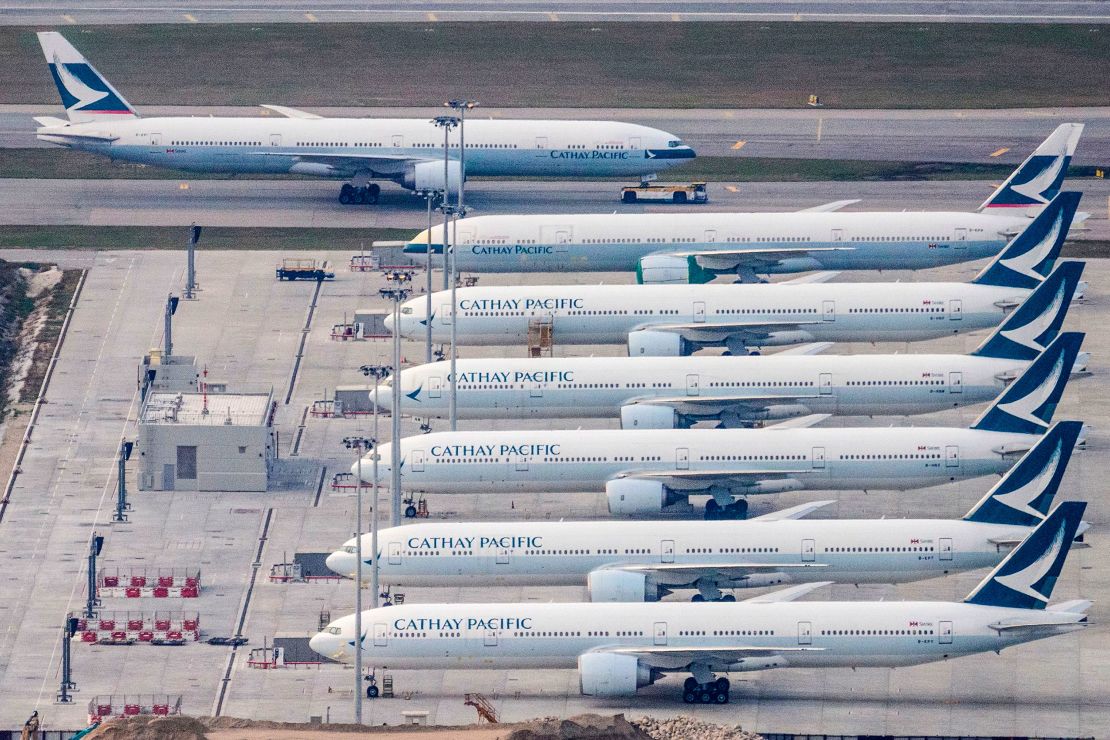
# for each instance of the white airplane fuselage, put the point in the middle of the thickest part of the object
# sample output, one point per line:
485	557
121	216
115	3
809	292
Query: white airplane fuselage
566	553
790	314
692	460
778	385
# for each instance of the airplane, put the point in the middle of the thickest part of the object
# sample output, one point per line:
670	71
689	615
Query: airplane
408	152
726	392
672	320
619	648
698	247
647	560
642	471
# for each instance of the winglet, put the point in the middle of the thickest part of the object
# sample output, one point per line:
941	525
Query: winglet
1024	494
1029	257
1027	405
1038	178
86	94
1025	579
1036	322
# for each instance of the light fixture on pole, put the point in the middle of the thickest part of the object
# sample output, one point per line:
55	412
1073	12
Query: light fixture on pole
358	444
378	373
397	295
446	123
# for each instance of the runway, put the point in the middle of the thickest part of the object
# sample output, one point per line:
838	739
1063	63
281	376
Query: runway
63	12
987	136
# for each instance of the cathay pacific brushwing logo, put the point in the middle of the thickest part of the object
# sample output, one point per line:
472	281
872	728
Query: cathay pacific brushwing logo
1025	408
415	393
424	322
1021	497
1026	262
1035	187
1027	334
83	95
1025	580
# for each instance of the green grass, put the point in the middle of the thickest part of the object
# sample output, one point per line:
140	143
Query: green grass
57	163
717	65
213	237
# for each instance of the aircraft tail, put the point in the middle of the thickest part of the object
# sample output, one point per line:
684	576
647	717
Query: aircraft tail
1025	579
1030	256
1038	178
1025	333
86	94
1024	494
1027	405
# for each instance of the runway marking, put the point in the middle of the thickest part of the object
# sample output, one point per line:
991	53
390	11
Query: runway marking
311	17
189	17
183	186
432	17
732	188
739	144
1000	152
69	19
676	17
552	17
820	125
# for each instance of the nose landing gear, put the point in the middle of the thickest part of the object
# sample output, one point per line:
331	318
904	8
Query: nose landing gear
362	195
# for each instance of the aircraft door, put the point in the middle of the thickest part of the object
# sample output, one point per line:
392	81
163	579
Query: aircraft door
503	557
945	548
275	139
945	633
824	384
435	387
955	382
955	309
490	638
156	139
535	390
394	553
682	458
710	236
556	234
828	310
541	142
960	242
381	635
952	456
805	633
666	551
808	551
398	140
446	314
699	312
838	235
818	458
418	461
521	464
634	142
659	633
692	385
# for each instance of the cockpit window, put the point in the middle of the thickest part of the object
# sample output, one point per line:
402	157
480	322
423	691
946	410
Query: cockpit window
674	142
406	310
335	631
350	549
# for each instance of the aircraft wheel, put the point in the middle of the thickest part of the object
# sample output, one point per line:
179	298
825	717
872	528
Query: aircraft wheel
721	698
689	697
737	510
712	509
345	198
723	685
374	190
705	697
410	512
629	197
371	692
697	598
728	597
690	684
347	188
359	196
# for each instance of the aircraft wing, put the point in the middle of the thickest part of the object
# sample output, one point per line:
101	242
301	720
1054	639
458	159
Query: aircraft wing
791	593
384	164
699	479
707	403
814	348
794	512
835	205
754	332
680	658
291	112
723	574
812	278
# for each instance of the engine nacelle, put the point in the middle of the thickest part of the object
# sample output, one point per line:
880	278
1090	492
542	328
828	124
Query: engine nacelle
636	496
315	169
737	346
648	416
775	412
667	268
429	176
650	343
620	585
771	486
611	675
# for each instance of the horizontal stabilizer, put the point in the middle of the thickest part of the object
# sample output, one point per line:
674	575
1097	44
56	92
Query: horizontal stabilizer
835	205
794	512
292	112
811	279
792	593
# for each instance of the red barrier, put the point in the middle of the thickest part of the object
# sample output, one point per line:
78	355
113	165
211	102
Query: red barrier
161	592
88	636
139	581
146	636
133	592
107	624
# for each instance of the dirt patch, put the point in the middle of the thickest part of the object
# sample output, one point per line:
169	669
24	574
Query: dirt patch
51	307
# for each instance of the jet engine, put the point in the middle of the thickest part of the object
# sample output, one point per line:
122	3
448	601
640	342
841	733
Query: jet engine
649	416
609	675
650	343
636	496
668	268
429	176
620	585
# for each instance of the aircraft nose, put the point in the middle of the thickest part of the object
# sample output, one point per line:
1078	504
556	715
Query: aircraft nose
387	322
335	563
324	644
383	399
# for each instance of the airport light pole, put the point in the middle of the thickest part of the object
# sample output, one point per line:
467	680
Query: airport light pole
358	444
396	294
378	373
454	213
446	123
461	107
430	195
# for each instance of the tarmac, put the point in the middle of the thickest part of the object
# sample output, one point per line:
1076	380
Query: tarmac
245	328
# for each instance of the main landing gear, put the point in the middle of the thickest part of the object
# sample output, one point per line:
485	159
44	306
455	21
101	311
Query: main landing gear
711	692
736	510
725	598
362	195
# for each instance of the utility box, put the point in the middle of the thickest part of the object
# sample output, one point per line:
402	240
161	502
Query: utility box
353	400
170	373
373	323
205	441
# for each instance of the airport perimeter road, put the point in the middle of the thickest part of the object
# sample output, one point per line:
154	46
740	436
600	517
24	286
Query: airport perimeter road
32	12
988	136
301	203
